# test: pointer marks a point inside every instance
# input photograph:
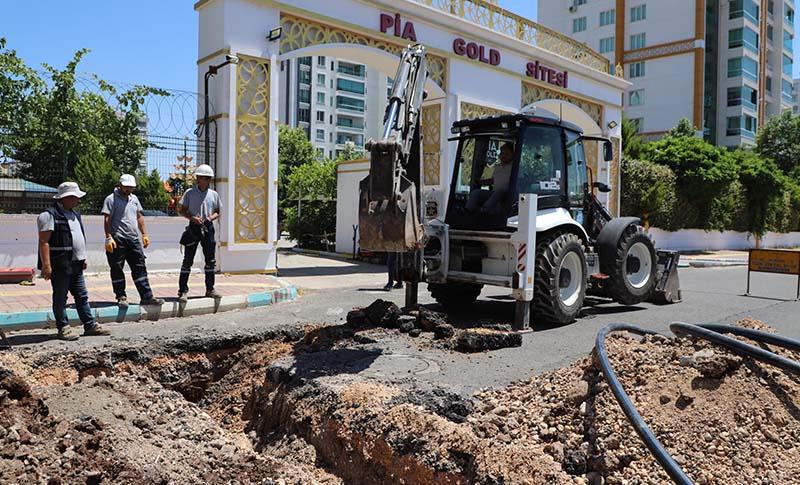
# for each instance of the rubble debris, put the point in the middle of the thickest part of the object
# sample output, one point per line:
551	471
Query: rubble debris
479	340
429	319
382	313
443	331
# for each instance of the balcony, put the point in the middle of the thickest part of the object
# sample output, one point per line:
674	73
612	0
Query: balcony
352	70
491	16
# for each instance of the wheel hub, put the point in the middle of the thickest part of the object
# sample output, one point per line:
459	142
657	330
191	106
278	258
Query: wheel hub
569	281
638	265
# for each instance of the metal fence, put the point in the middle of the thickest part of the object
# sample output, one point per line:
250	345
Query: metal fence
175	146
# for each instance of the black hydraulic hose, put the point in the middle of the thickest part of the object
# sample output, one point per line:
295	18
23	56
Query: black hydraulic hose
656	448
710	332
741	348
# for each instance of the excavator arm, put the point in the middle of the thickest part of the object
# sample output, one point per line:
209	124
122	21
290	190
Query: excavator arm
389	215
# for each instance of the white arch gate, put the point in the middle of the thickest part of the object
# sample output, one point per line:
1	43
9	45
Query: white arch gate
482	59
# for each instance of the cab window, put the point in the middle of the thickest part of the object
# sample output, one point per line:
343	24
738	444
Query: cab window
576	168
541	161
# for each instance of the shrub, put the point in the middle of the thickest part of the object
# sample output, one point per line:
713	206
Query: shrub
648	191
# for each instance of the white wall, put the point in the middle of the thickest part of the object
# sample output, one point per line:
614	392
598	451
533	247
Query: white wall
347	179
669	92
699	240
19	242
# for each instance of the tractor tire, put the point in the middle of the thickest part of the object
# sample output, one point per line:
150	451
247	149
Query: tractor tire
632	273
452	295
561	278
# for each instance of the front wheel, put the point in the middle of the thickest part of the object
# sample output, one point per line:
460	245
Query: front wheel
561	278
633	271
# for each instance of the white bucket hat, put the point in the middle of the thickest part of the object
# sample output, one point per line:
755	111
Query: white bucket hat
67	189
127	180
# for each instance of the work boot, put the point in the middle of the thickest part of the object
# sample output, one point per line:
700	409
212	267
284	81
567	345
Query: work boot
122	302
183	296
66	333
213	294
152	301
96	331
398	285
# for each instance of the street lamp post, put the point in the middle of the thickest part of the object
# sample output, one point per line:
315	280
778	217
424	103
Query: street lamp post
212	71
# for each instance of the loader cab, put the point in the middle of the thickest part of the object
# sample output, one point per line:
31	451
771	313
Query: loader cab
547	159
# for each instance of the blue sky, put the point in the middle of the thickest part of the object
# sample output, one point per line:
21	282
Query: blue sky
151	42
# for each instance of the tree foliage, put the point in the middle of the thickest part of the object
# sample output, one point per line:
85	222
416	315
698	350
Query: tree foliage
150	190
763	188
648	191
311	202
294	150
779	140
97	176
632	143
684	128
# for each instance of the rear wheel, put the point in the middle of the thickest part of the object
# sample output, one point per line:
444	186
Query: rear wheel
560	281
451	295
633	271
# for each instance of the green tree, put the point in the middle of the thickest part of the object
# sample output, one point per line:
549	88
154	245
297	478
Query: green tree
648	191
632	143
312	193
60	126
779	140
764	188
704	178
294	150
684	128
20	90
150	190
96	175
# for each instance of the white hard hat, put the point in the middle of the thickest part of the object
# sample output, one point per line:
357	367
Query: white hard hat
204	171
127	180
67	189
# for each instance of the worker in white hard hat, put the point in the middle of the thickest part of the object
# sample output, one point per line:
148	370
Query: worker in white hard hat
62	260
124	225
201	205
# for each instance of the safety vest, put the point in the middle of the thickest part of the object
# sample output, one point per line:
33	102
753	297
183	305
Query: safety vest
61	238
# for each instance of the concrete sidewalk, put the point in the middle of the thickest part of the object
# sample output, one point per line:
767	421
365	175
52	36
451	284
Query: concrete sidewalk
712	259
30	306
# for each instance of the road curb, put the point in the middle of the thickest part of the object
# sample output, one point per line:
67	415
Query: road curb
716	263
37	319
324	254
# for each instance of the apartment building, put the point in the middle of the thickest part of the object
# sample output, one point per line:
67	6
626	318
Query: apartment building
796	97
337	102
724	64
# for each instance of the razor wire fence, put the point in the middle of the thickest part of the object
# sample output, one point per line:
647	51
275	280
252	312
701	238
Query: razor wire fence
169	126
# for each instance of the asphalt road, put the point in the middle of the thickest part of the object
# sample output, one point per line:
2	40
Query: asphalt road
709	295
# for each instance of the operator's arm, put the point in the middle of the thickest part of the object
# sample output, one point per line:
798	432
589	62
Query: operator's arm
107	225
140	222
44	253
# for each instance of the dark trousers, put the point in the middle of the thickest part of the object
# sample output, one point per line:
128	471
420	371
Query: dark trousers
391	267
65	279
129	250
206	241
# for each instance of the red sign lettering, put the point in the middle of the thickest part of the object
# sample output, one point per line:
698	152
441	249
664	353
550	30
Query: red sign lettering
399	29
546	74
476	52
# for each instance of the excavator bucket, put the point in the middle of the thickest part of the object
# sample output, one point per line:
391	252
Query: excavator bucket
668	287
388	227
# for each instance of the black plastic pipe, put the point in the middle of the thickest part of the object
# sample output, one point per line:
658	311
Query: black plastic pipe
656	448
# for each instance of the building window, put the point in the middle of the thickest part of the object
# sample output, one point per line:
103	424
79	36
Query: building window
321	80
743	37
350	103
733	126
771	7
606	45
770	33
636	69
579	24
744	8
786	90
321	61
787	65
743	66
787	41
304	76
607	17
788	13
768	84
320	98
320	152
321	116
638	124
350	86
750	124
636	97
580	2
743	96
638	41
321	135
638	13
304	95
352	69
304	115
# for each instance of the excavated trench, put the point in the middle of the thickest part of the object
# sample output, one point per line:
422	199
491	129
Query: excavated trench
292	406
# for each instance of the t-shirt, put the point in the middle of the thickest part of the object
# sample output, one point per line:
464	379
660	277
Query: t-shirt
201	203
501	177
46	222
124	213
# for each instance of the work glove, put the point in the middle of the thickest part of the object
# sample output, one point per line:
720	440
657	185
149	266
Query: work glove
111	244
145	240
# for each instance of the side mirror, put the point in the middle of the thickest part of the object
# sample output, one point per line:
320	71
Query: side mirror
604	188
608	151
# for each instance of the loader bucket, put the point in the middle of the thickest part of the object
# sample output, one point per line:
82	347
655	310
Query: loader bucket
668	288
386	226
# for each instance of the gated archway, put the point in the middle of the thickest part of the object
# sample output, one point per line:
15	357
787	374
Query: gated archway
482	60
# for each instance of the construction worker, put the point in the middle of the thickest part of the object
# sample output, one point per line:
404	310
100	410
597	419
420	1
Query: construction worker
201	205
62	260
124	224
